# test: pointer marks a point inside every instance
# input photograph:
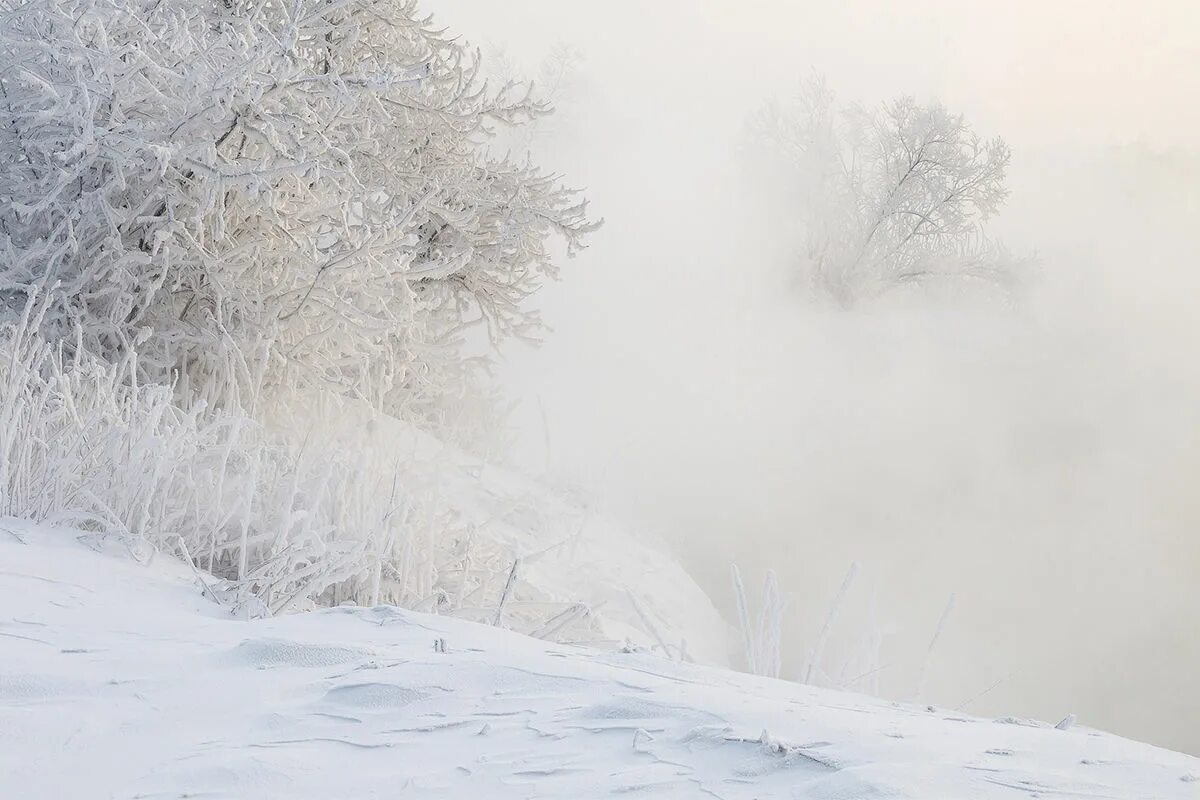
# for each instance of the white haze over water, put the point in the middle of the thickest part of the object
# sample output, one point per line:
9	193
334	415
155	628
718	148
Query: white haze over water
1039	461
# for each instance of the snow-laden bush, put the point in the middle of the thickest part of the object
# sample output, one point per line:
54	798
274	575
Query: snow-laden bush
225	227
241	244
268	197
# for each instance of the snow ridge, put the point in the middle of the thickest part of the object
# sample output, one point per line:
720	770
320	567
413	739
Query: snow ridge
121	681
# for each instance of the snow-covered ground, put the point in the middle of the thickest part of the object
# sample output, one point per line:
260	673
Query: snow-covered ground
119	680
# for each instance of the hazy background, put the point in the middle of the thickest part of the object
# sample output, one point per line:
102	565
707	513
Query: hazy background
1037	460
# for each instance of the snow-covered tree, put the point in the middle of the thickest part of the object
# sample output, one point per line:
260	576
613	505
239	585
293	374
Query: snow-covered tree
269	196
885	196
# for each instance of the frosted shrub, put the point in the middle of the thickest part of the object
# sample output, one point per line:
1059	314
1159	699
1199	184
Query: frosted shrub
225	226
268	197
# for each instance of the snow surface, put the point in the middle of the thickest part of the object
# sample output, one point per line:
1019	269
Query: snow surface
119	680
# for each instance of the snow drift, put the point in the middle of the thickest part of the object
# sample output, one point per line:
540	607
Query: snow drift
121	680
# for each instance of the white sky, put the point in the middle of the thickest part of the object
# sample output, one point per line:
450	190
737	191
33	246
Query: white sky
1042	71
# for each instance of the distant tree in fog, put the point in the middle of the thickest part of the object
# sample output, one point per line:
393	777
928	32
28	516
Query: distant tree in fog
885	196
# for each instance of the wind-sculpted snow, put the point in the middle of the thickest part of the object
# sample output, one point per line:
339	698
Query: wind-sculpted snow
123	681
266	652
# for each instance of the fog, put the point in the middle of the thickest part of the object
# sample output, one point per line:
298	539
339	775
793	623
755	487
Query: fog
1036	459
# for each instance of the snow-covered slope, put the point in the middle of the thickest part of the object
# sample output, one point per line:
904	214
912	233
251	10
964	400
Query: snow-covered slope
571	557
122	681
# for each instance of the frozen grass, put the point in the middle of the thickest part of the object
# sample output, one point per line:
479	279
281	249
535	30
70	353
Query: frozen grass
763	642
280	516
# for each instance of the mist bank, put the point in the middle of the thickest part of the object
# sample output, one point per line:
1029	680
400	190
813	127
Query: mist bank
1033	456
1035	459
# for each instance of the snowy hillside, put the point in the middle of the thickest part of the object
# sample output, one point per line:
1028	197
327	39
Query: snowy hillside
120	681
583	578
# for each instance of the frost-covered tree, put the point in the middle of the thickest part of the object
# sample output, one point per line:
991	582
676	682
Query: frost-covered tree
885	196
266	197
